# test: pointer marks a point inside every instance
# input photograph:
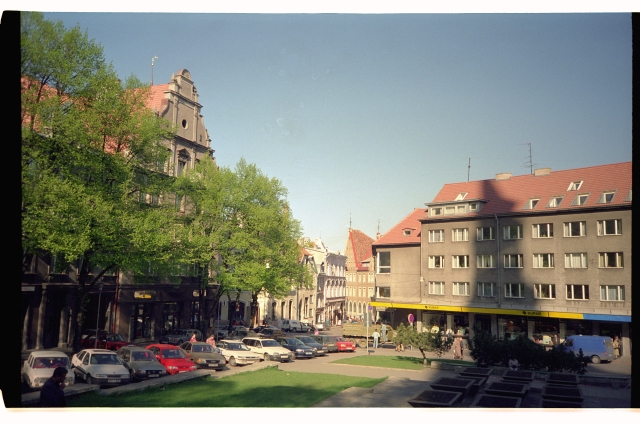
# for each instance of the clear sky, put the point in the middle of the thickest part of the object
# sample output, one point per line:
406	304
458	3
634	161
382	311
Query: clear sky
364	117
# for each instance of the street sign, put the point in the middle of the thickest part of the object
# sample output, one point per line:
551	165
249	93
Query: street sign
370	308
411	318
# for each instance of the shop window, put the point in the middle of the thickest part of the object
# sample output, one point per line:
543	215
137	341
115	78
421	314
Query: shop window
140	321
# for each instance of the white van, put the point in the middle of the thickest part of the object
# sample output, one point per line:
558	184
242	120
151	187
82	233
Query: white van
291	325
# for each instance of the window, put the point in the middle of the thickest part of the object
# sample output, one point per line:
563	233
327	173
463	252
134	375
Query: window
555	201
406	232
628	198
513	261
460	209
181	166
461	196
610	227
575	229
543	260
436	261
474	206
580	200
486	289
606	197
514	290
531	203
460	234
460	261
485	261
384	292
486	233
384	262
436	236
615	293
577	292
575	260
512	232
542	230
435	211
460	289
611	260
436	287
575	185
449	210
544	291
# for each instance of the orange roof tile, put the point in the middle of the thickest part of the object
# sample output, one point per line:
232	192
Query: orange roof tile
396	234
361	245
156	98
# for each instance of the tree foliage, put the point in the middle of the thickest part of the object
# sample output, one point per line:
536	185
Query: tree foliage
425	342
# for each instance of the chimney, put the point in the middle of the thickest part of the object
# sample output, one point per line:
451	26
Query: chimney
541	171
503	176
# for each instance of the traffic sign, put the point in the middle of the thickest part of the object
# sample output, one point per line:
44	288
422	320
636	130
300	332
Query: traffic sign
370	308
411	318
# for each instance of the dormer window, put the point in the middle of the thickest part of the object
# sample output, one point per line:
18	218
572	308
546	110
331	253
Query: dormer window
461	196
575	185
531	203
607	197
435	211
628	198
406	232
555	201
473	206
580	200
449	210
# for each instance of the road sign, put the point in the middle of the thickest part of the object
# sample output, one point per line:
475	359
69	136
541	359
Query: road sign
411	318
370	308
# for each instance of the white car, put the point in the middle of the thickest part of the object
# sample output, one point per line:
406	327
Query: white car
39	366
268	349
100	366
237	353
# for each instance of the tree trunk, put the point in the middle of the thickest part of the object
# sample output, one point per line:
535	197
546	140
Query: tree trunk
254	306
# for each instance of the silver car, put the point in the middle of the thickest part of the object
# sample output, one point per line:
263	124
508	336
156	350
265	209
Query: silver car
100	366
141	363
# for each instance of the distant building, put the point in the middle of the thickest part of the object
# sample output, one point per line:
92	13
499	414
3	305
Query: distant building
537	255
359	273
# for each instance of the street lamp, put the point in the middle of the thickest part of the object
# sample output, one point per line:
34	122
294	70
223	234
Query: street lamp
98	318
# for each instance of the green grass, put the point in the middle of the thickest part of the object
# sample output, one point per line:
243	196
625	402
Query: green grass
401	362
263	388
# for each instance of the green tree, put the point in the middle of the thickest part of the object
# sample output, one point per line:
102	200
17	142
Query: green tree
425	342
90	148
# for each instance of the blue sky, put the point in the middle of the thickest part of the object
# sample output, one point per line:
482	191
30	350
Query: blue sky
367	116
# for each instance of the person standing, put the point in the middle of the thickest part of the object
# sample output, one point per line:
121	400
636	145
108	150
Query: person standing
52	393
212	340
375	336
193	338
383	330
616	347
457	348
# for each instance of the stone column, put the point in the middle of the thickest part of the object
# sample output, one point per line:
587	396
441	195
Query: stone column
562	331
41	312
626	340
62	329
531	328
472	321
25	328
449	317
494	324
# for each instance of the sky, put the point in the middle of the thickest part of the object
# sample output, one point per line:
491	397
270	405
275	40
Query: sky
364	117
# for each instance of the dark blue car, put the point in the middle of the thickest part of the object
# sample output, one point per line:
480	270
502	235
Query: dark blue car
299	349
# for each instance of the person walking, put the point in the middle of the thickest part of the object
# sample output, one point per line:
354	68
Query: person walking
383	330
375	336
52	393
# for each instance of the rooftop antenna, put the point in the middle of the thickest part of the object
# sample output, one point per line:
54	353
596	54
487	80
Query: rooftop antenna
530	162
152	60
349	220
468	169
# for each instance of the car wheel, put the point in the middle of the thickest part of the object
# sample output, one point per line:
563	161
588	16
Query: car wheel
595	359
266	357
362	344
232	361
88	379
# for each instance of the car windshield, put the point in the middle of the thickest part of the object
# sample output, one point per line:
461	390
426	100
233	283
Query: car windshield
115	338
238	346
142	356
294	342
339	339
306	340
270	343
173	353
202	348
50	362
105	359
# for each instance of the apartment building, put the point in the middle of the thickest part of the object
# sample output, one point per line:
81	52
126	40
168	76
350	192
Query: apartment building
541	254
360	276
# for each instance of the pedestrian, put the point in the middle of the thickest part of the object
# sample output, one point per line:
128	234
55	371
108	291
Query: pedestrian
457	347
399	347
52	393
616	347
212	340
375	336
193	338
383	330
513	363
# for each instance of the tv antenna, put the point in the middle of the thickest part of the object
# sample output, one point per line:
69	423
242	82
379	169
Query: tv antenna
152	60
530	163
468	169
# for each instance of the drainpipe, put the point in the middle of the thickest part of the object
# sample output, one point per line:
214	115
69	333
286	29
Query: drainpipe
498	261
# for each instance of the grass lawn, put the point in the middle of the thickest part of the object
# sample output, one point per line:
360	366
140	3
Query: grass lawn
263	388
402	362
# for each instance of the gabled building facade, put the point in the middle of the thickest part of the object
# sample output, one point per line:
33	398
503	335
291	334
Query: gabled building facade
538	255
359	273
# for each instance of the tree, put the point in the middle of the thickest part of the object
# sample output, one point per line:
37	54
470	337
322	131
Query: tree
425	342
90	148
239	224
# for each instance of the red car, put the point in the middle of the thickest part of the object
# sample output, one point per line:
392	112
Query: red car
172	357
344	345
109	341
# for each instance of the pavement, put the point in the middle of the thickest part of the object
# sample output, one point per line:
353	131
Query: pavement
604	385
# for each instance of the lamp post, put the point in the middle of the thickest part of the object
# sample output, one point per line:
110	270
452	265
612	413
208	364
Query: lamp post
98	317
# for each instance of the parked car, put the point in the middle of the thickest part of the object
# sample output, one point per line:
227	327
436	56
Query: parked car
307	328
345	345
237	353
141	363
109	341
172	357
270	333
261	328
39	366
180	335
329	342
291	325
241	334
598	348
299	349
320	350
203	355
92	332
268	349
100	366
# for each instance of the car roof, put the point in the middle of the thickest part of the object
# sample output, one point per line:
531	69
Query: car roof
48	353
99	351
134	347
163	346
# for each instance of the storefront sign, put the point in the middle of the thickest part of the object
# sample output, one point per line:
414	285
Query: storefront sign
535	313
148	294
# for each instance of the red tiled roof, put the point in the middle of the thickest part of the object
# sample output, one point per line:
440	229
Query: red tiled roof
156	98
511	195
396	234
361	245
